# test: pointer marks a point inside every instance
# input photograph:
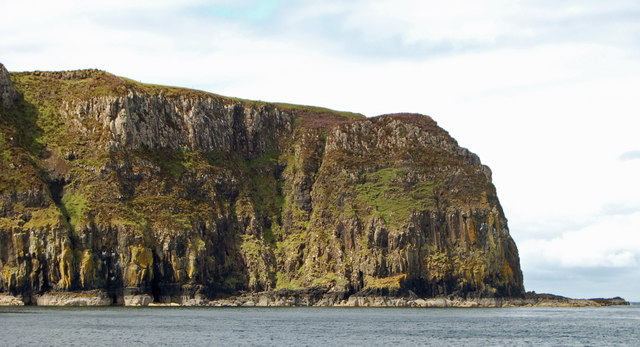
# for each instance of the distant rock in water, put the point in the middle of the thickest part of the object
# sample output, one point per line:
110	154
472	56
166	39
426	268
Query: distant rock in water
117	191
611	301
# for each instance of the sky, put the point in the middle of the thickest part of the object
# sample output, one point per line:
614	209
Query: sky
547	93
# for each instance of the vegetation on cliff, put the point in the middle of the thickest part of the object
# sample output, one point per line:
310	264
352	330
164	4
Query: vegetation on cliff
173	194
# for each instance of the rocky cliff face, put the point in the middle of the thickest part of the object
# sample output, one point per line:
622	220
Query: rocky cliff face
7	93
146	193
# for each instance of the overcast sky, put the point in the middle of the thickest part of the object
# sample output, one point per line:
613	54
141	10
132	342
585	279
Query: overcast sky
547	93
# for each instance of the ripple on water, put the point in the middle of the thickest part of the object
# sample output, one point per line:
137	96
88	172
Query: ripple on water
164	326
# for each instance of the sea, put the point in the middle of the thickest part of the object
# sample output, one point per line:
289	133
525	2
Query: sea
319	326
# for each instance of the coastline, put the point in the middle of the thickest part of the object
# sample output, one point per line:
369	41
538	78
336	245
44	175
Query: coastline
304	298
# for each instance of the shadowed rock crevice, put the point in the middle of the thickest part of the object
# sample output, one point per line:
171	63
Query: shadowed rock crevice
56	188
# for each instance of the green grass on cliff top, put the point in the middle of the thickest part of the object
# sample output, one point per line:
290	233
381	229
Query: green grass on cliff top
86	84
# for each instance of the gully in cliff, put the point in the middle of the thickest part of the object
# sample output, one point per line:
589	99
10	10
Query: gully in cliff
117	192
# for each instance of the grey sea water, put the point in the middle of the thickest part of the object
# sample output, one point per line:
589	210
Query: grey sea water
179	326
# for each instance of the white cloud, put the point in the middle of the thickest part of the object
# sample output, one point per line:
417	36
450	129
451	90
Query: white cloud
630	155
418	21
599	259
611	241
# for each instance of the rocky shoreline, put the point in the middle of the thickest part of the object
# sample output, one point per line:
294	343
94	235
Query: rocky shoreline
306	298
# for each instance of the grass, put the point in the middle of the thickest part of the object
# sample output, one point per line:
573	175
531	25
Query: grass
393	200
392	283
8	223
75	205
128	216
250	245
197	243
319	110
22	119
265	194
267	159
319	117
5	151
282	282
44	218
329	279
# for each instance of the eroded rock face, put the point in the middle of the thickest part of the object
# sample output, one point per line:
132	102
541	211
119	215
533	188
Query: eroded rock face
7	93
183	122
154	194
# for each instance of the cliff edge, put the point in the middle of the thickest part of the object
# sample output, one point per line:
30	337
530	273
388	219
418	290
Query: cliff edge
128	193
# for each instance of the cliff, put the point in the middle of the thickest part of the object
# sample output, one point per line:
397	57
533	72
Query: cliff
134	193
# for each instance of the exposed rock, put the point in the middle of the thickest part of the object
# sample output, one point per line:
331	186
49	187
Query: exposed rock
7	93
320	298
10	300
196	124
87	298
617	301
162	195
137	300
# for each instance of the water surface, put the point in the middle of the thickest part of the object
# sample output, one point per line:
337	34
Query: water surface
160	326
